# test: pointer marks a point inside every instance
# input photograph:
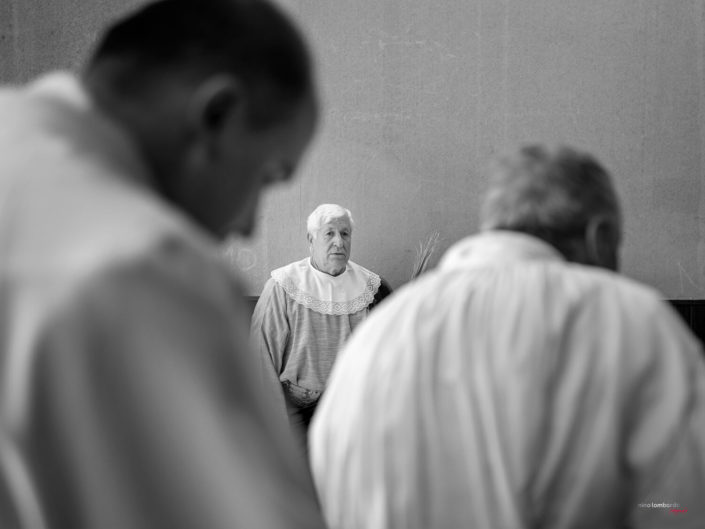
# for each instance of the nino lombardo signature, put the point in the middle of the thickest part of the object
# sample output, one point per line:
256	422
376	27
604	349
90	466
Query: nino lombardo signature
674	507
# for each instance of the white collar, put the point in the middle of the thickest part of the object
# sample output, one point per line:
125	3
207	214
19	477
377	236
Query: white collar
498	247
347	293
62	85
112	140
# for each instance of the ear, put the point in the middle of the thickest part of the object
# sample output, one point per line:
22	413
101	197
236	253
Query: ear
215	100
602	242
309	237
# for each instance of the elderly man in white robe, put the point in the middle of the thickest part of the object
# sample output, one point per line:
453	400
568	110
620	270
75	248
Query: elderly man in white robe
308	309
523	383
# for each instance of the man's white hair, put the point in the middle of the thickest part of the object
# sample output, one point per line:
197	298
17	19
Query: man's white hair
325	213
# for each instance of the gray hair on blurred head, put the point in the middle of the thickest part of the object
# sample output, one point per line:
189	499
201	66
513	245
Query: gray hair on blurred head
550	192
325	213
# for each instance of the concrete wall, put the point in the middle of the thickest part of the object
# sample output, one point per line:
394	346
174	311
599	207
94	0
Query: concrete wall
41	35
419	95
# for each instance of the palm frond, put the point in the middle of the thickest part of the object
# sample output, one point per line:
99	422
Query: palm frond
424	252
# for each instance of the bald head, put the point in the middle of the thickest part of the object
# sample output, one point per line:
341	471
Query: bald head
186	42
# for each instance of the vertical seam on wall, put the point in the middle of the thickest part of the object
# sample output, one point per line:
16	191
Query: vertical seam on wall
479	126
505	74
645	101
15	41
700	16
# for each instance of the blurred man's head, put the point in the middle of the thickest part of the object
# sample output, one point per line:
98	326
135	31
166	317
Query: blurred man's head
219	97
560	195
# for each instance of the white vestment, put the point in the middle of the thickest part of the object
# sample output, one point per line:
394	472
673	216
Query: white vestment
509	389
302	319
128	393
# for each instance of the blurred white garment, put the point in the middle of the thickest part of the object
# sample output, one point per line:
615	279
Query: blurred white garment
509	389
128	394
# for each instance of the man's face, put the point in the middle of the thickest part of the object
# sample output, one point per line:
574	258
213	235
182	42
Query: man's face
330	247
241	162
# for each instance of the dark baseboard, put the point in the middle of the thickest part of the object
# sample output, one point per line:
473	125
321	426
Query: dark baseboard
251	301
693	313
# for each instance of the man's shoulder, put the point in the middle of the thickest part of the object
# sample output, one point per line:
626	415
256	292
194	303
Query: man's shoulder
129	224
123	236
567	285
613	287
187	273
166	243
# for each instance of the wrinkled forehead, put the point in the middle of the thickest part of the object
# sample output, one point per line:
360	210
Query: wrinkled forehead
337	223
